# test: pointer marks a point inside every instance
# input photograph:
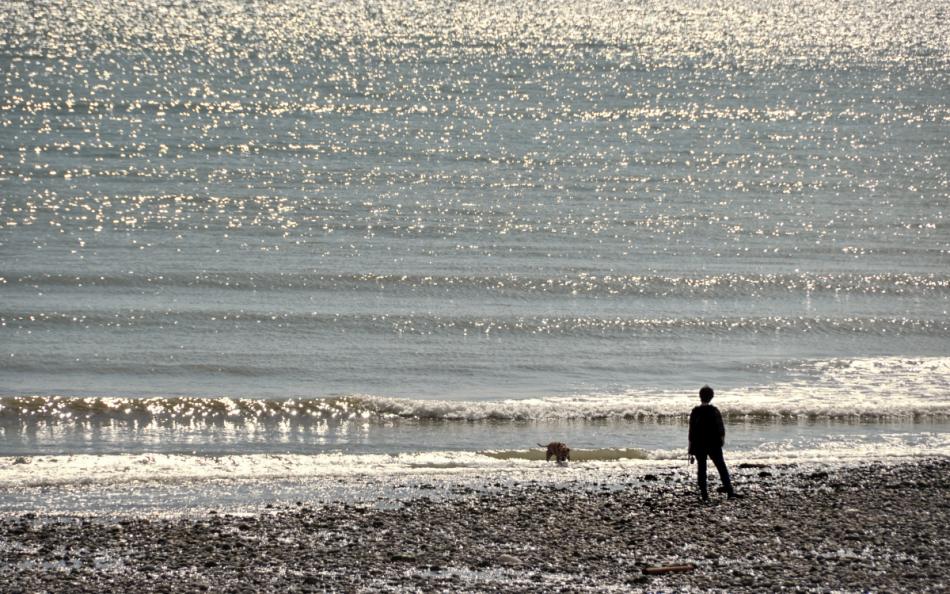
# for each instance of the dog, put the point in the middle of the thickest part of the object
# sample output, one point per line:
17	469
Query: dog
558	451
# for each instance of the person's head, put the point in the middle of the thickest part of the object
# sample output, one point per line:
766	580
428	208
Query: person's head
705	394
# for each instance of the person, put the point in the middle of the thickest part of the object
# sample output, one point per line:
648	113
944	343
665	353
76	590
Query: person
707	435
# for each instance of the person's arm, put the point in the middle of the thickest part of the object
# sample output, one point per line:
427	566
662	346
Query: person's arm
722	429
692	432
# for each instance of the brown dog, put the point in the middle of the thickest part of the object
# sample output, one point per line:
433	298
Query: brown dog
558	451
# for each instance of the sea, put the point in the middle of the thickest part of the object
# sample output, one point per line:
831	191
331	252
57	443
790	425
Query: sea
277	248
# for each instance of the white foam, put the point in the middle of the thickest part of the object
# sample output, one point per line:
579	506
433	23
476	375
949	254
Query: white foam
123	468
846	389
109	469
869	388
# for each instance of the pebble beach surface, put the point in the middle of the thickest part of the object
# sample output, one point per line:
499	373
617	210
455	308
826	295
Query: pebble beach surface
878	527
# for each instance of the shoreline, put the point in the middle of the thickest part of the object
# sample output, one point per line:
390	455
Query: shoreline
852	527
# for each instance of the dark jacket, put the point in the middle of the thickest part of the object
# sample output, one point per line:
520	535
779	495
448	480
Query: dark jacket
706	431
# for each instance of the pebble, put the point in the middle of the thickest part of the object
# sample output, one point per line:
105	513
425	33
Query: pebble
784	534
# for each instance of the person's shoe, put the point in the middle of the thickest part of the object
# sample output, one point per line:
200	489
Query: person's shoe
735	495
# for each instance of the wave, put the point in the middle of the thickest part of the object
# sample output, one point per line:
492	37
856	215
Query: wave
368	409
841	390
433	323
659	286
98	470
305	107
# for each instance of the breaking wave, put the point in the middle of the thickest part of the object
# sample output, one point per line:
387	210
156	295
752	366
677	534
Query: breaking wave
837	390
99	470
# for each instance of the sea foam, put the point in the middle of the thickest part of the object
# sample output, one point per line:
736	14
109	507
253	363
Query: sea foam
885	388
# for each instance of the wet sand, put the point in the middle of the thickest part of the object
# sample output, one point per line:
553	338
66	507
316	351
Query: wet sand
880	527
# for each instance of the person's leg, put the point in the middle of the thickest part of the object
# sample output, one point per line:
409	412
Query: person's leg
701	474
720	463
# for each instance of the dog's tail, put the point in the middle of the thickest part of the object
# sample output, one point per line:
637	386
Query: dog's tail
541	445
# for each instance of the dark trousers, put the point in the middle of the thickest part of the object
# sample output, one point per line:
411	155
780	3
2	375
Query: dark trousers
716	455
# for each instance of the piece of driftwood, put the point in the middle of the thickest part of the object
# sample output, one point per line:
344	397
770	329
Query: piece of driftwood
669	569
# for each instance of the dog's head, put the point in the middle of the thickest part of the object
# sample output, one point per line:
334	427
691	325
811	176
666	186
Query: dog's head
563	453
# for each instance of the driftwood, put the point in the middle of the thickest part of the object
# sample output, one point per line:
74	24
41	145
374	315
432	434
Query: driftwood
669	569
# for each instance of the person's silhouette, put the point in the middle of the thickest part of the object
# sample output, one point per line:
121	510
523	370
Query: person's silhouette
707	434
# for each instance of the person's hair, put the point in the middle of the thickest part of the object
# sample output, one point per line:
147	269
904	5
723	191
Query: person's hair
705	393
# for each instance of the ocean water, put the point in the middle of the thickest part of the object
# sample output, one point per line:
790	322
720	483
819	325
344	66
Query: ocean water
308	238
